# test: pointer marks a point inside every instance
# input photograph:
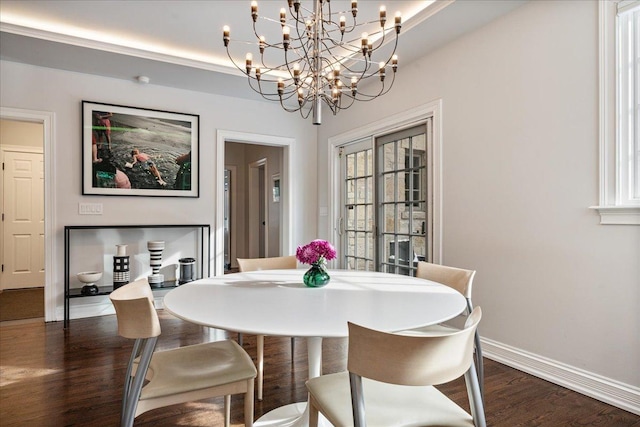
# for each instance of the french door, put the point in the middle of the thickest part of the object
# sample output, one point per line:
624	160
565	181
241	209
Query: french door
357	224
387	221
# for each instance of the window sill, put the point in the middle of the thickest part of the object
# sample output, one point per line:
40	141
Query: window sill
620	215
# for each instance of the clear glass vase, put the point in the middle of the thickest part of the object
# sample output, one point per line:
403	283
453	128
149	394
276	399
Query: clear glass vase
317	276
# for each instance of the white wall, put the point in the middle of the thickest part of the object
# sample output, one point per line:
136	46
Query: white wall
21	133
520	127
42	89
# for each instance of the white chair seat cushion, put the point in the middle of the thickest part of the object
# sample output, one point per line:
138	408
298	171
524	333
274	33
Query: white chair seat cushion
197	367
386	404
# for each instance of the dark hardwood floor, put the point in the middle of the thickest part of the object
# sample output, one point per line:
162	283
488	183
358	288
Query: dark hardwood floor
53	377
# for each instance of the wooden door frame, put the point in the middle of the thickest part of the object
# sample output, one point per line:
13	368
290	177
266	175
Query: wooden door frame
286	223
47	119
233	208
254	190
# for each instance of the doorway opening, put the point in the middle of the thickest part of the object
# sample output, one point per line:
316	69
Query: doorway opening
22	250
258	217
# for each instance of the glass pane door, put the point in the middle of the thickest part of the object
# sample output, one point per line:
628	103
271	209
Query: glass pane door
403	200
386	220
357	223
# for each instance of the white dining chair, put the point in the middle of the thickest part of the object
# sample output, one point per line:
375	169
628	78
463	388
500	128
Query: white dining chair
390	381
256	264
462	281
184	374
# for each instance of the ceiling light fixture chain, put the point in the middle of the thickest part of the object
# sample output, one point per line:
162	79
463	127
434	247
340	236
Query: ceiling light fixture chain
320	66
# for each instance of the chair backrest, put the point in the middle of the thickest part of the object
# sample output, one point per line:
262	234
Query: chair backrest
137	317
457	278
273	263
412	360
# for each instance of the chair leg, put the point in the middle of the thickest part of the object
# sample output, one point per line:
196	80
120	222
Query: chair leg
475	399
129	377
227	410
357	400
479	364
293	348
248	405
136	387
313	413
240	339
260	351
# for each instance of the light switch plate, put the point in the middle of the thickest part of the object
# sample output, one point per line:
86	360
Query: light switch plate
90	208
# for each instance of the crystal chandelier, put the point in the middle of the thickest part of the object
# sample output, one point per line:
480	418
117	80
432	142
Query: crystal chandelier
320	58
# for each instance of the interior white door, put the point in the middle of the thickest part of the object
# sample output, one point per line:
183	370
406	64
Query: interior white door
23	225
257	238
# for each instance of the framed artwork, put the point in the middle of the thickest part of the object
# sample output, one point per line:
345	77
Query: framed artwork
129	151
276	187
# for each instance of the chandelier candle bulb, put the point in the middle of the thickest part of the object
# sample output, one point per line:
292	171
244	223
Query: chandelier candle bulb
343	23
254	10
283	17
225	35
248	62
398	22
296	72
382	71
354	8
365	43
394	63
285	37
262	44
383	16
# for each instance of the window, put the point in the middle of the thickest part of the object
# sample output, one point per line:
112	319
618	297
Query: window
619	112
413	176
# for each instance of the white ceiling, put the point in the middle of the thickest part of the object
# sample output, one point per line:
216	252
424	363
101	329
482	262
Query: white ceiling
179	43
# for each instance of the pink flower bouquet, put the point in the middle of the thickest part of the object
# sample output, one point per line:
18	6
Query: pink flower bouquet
316	252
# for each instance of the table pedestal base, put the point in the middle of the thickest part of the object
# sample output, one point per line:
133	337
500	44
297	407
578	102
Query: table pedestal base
297	414
294	414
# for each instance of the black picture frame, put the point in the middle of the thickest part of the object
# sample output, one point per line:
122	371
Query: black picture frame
130	151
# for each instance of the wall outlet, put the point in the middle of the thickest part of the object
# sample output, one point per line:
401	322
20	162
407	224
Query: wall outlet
90	208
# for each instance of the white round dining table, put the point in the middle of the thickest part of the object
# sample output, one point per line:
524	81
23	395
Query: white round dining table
277	303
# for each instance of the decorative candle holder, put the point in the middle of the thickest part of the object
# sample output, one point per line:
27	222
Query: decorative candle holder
121	273
89	278
187	266
156	247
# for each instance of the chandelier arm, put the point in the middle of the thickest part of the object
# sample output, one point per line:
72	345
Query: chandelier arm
348	96
255	30
287	109
395	46
243	70
366	97
267	96
273	96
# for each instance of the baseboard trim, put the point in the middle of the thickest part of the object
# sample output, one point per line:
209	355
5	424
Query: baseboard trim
616	393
